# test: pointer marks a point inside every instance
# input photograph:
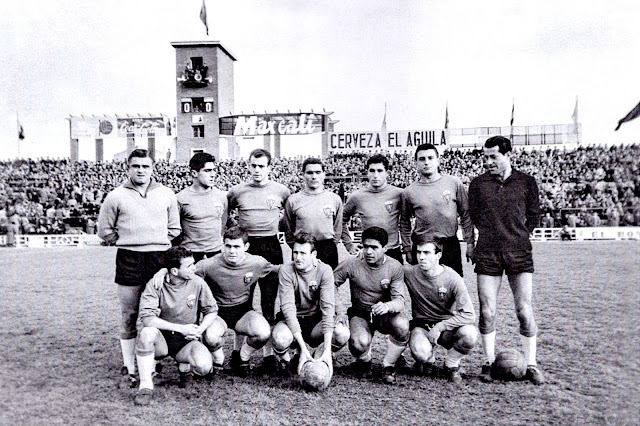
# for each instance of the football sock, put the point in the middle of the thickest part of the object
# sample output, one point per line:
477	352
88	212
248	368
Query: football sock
184	367
238	340
489	346
393	353
218	356
128	347
453	358
246	351
529	348
366	357
286	356
146	364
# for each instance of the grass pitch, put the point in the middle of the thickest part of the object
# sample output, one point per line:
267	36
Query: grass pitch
61	358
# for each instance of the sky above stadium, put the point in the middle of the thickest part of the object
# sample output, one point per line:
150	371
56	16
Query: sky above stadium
347	56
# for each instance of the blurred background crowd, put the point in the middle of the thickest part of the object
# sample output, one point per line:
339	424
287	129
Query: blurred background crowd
587	186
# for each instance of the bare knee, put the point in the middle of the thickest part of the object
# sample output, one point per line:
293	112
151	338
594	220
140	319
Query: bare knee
359	342
468	336
341	335
281	337
147	338
214	336
421	348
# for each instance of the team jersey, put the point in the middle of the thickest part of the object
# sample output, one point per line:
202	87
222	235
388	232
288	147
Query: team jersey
233	285
258	206
317	214
370	285
376	207
442	299
302	294
203	216
178	304
436	206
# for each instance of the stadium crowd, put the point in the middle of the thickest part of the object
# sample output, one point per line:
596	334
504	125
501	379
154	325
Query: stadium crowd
587	186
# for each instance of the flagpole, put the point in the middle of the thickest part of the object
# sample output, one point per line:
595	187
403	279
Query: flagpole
19	132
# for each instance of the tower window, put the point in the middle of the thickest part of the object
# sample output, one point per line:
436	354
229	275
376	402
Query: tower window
198	131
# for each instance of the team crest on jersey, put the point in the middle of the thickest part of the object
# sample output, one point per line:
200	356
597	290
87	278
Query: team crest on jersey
191	301
385	284
442	292
272	202
328	210
388	205
446	194
313	286
248	277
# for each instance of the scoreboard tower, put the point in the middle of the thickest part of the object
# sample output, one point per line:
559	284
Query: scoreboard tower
204	91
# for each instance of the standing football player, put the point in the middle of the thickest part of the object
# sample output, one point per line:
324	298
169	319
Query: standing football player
141	218
377	302
169	322
259	204
505	207
377	204
315	211
203	209
307	304
442	310
436	201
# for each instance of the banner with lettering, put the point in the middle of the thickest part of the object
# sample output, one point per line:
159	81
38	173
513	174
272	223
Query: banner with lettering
385	141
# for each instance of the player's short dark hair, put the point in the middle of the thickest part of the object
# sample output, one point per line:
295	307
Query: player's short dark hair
260	152
378	159
420	239
305	238
138	153
311	160
376	233
234	233
426	147
199	159
503	144
173	257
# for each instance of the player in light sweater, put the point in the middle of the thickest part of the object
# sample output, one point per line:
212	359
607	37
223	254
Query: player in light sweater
442	310
203	209
141	218
307	303
316	211
377	302
377	204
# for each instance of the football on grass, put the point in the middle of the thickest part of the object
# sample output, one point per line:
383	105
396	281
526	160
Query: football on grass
315	375
509	365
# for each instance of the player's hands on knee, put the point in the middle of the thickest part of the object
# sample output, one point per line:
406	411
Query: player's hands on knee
190	331
158	278
380	308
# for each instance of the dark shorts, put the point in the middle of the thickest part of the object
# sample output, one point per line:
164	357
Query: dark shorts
447	338
269	248
307	324
451	254
427	325
199	255
494	263
175	342
395	253
137	267
232	314
327	252
379	323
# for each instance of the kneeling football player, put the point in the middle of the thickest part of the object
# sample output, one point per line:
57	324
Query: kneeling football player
377	302
442	310
168	322
307	304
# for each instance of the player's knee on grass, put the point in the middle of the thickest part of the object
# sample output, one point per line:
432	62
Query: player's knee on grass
281	337
467	338
419	344
341	335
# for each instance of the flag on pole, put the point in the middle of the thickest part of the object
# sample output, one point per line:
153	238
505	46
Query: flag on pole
575	112
20	128
446	117
634	113
383	128
513	106
203	16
